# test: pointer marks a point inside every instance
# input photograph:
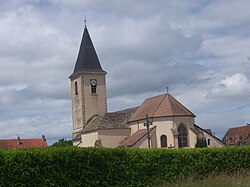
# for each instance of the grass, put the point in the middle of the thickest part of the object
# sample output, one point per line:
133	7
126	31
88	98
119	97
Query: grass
241	179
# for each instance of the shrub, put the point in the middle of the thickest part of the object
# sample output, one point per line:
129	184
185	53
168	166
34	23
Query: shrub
71	166
63	143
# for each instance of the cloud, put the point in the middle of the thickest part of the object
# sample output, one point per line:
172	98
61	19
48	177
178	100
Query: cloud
199	50
235	86
35	127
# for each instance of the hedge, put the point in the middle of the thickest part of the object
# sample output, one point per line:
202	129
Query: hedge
73	166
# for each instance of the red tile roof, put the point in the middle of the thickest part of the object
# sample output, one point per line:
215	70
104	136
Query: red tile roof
242	132
164	105
22	143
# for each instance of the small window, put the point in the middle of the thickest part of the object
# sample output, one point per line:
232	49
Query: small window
93	89
76	89
164	141
208	141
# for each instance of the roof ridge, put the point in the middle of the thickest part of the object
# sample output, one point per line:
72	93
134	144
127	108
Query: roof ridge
171	108
245	126
124	110
158	105
183	106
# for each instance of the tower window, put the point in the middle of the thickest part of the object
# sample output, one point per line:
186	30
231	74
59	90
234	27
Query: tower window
93	89
208	141
76	89
93	83
164	141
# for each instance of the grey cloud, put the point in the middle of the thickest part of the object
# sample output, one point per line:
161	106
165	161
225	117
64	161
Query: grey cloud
139	77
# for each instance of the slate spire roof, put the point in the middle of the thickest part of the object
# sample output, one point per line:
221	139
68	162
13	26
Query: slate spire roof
164	105
87	59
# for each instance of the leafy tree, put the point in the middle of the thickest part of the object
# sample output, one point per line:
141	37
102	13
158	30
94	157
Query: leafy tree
63	143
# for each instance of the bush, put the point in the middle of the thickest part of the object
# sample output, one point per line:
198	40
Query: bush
71	166
63	143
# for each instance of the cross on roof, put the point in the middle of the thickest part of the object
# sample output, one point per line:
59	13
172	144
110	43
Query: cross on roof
85	21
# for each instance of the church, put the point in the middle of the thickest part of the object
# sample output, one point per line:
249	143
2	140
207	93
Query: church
159	122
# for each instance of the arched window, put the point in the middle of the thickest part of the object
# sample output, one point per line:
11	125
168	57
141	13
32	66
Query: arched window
182	136
164	141
93	89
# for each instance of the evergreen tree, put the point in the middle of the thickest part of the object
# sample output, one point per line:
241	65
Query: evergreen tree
201	142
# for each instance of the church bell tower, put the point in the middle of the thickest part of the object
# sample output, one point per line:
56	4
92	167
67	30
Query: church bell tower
88	87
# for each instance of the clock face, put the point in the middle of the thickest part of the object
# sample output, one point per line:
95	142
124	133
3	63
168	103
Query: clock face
93	82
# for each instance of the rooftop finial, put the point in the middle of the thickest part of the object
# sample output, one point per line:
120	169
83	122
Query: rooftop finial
167	89
85	21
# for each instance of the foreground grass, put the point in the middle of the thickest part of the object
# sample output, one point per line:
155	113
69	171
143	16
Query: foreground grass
241	179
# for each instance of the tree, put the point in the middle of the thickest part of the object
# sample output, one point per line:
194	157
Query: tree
201	142
63	143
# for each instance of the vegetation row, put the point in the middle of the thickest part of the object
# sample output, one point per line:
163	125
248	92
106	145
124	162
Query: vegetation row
71	166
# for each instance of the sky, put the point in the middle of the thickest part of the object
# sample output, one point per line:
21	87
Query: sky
198	49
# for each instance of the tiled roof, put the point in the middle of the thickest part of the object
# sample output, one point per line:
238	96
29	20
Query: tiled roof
87	59
242	132
134	138
114	120
22	143
164	105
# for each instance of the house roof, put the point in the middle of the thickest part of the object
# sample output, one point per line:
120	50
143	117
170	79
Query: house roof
243	132
22	143
164	105
134	138
113	120
87	59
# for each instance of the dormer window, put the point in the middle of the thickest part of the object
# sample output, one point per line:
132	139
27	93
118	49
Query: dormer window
93	83
76	89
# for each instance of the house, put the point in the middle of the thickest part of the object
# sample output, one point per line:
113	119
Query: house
169	123
23	143
237	136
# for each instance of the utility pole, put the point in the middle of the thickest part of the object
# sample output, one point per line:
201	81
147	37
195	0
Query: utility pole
147	123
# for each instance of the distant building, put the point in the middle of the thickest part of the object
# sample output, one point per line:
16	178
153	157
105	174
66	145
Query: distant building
22	143
237	136
172	124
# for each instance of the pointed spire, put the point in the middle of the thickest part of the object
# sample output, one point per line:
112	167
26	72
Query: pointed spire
87	59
